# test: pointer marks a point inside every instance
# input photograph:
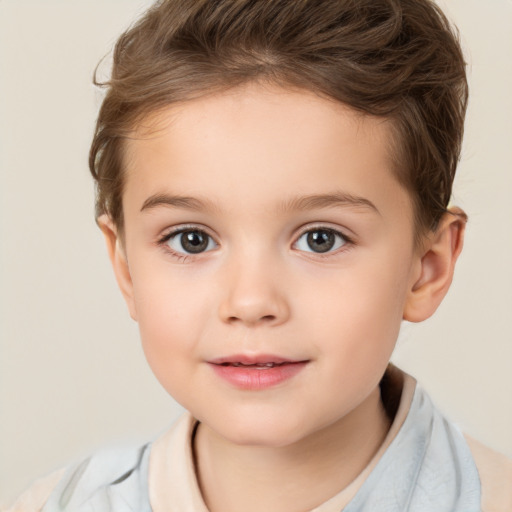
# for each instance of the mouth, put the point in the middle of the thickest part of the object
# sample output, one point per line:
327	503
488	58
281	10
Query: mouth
256	366
258	362
256	372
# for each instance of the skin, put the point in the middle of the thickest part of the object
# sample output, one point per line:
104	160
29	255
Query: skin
249	155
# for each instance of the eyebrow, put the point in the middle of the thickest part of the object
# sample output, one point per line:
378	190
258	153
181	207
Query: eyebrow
185	202
316	201
308	202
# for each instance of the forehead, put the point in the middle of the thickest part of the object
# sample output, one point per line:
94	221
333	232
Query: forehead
254	145
261	115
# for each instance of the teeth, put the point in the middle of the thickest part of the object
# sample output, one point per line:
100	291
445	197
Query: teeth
257	365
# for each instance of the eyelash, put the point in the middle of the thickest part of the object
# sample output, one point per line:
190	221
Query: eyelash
347	241
181	256
184	257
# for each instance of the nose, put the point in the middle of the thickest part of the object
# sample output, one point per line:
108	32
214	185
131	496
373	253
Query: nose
254	295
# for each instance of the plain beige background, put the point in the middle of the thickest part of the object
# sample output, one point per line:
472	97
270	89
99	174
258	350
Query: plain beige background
72	375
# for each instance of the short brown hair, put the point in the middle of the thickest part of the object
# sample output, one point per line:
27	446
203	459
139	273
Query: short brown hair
399	59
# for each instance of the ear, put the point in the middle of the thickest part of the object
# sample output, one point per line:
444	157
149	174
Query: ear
436	263
119	262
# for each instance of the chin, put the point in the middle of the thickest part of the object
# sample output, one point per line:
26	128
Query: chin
263	432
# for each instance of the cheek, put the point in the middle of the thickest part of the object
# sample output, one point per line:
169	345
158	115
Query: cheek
167	297
172	315
358	311
355	328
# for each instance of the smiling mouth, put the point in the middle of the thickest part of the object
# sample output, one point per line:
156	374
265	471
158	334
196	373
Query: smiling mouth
257	366
257	361
256	372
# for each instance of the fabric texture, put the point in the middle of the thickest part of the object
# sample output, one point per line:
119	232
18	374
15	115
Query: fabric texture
114	480
427	466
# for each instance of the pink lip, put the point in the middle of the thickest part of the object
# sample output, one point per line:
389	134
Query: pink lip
253	375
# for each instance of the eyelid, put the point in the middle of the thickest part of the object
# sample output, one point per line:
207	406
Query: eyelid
174	231
181	228
328	227
348	239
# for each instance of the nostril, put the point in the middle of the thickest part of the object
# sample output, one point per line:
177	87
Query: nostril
262	319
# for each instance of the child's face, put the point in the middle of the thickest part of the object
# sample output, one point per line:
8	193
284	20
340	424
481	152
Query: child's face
294	245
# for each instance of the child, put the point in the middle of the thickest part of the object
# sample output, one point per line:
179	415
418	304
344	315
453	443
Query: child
273	182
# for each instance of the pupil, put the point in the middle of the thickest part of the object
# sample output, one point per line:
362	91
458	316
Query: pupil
194	241
321	240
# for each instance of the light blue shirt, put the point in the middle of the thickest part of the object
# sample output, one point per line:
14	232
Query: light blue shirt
428	467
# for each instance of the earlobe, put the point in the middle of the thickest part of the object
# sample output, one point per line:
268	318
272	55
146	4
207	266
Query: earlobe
119	261
436	265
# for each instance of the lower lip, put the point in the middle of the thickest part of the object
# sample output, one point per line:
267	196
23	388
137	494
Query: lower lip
256	378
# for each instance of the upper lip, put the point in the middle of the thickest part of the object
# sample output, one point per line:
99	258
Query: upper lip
254	359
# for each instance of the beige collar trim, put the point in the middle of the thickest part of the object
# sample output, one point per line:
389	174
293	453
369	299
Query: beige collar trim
172	478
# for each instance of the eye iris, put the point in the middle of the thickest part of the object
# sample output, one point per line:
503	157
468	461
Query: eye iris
194	241
321	240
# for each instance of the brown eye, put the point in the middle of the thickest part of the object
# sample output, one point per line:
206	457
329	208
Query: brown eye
320	240
192	241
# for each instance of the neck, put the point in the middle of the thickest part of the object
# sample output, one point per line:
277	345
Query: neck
258	478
